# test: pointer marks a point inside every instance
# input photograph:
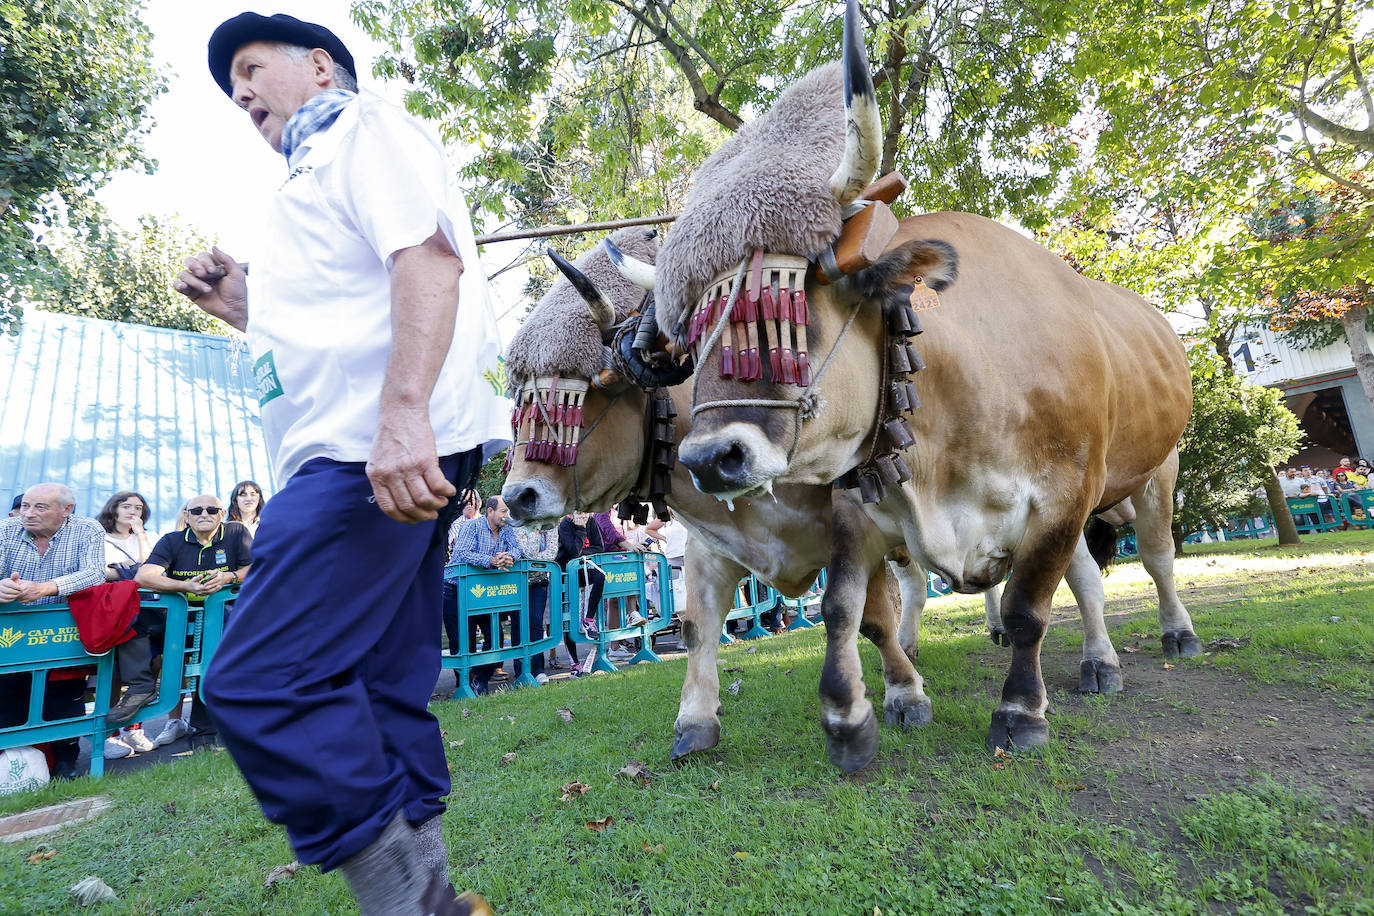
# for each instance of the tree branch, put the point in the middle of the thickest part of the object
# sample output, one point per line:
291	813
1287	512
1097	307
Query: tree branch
1361	139
705	101
1362	84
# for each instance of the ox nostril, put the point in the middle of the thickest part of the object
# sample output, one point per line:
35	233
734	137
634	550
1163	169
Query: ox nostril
523	504
732	461
719	466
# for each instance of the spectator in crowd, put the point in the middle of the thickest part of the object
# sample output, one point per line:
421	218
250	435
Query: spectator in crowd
1306	491
472	505
127	541
1362	467
1310	477
46	554
486	541
210	554
1290	482
1344	484
245	505
615	538
537	545
127	545
14	506
674	535
579	537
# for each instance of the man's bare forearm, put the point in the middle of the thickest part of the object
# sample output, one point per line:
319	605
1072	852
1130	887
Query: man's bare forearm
424	306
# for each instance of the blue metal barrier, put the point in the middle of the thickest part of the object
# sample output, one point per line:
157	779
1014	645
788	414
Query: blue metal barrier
207	633
625	579
499	595
752	600
936	586
801	604
37	639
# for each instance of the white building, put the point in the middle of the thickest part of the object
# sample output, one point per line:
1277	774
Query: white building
1320	386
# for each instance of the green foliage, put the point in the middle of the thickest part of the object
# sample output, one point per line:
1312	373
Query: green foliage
605	107
493	476
78	80
1237	433
104	271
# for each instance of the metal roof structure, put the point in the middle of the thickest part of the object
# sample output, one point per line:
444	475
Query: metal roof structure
102	406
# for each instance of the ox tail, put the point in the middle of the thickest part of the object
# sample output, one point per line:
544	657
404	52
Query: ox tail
1101	538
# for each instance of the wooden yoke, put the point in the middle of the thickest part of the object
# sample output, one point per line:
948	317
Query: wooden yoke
865	236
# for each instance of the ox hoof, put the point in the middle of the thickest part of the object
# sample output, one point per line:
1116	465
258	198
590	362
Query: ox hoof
907	714
1017	731
999	637
693	738
853	747
1098	676
1181	644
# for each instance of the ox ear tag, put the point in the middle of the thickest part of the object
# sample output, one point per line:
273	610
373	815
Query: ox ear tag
923	298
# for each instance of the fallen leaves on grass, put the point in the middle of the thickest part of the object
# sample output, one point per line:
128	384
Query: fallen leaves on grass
733	689
1069	786
715	786
657	848
1228	642
281	873
91	889
752	650
169	807
506	758
999	758
789	670
1169	667
741	855
565	714
598	826
637	771
42	854
1131	648
459	743
466	712
733	670
1140	635
573	790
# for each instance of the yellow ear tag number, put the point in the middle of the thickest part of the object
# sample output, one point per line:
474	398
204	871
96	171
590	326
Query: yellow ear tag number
923	298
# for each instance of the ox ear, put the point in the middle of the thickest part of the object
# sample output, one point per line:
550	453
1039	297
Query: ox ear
934	262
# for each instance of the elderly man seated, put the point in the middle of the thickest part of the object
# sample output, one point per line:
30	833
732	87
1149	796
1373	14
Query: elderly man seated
46	554
209	555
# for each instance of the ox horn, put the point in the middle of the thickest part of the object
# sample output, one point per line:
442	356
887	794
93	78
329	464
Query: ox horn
636	271
863	124
602	311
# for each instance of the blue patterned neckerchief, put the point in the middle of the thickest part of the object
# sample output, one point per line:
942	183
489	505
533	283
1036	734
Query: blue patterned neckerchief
316	114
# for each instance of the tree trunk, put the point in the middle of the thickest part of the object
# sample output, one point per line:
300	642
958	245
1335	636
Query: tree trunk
1178	540
1353	322
1278	507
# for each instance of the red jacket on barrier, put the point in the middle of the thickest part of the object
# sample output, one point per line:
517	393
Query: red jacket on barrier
105	614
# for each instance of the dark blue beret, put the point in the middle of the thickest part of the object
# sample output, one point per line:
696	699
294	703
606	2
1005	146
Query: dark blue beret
246	28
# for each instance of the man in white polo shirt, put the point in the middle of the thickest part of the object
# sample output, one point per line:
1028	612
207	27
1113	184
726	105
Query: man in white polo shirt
377	414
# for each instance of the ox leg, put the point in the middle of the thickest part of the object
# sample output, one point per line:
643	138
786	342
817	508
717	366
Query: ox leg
911	583
992	610
905	702
1100	670
1155	541
851	731
1019	722
711	581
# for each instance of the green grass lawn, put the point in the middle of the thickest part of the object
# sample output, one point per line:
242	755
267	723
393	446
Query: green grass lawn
1230	783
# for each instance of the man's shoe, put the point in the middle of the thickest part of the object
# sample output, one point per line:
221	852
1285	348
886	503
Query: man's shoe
541	679
128	706
438	900
174	730
136	739
114	749
64	769
637	619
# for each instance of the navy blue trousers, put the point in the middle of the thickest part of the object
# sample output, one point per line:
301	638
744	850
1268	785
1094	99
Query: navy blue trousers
321	683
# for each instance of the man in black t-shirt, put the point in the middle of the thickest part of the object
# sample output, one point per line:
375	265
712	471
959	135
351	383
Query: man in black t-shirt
208	556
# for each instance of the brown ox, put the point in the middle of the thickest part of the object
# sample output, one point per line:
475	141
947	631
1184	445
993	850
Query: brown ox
1047	396
785	542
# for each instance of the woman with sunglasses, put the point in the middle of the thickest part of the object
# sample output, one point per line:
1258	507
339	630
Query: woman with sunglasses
208	555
